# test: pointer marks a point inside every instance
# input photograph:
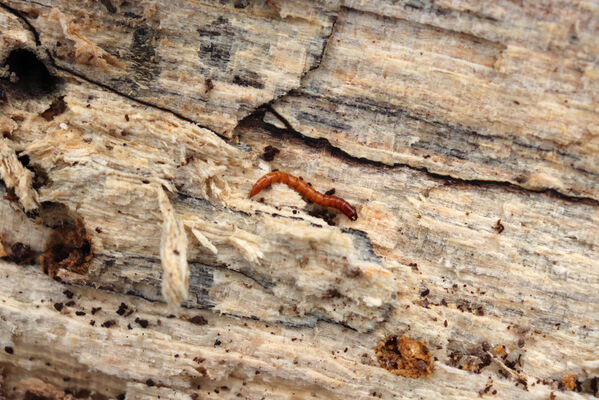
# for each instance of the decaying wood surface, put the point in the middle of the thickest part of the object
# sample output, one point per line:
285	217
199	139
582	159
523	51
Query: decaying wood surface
136	266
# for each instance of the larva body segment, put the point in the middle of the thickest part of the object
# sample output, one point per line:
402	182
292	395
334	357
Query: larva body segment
306	191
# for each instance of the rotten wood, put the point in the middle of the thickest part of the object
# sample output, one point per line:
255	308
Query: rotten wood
465	133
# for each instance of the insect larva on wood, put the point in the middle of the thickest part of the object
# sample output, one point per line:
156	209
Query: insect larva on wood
305	190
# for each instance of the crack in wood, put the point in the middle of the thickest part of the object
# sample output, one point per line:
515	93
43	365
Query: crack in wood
21	17
336	151
69	71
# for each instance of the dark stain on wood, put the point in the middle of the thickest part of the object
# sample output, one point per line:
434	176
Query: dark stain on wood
69	248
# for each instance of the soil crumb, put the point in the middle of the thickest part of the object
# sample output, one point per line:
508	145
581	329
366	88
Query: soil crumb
69	248
405	357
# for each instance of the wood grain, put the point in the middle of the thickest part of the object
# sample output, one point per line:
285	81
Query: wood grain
463	132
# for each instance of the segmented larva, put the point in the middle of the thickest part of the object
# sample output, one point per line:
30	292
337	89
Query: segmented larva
305	190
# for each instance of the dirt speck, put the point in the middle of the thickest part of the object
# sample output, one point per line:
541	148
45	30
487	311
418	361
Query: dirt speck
569	381
122	309
209	85
21	254
198	320
108	324
498	227
69	248
142	322
270	152
57	107
405	357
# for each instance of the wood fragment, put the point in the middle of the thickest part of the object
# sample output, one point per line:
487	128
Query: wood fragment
16	176
173	254
464	132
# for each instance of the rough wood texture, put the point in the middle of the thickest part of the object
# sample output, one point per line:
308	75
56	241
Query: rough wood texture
465	133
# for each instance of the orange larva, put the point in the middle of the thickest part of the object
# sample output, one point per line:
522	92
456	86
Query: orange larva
305	190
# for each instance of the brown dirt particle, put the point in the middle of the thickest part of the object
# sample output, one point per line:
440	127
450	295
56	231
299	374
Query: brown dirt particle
108	324
122	308
486	390
405	357
498	227
499	349
58	306
21	254
209	85
142	322
569	382
69	248
57	107
353	272
270	152
9	350
198	320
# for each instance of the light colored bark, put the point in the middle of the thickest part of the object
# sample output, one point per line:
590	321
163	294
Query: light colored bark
465	134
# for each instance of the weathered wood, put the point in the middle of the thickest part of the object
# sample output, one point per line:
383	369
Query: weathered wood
465	134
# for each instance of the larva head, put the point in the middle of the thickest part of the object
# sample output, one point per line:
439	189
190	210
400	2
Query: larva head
350	211
354	214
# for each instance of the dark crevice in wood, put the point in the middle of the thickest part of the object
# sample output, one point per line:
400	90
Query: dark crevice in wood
136	100
320	142
322	53
69	71
336	151
20	16
33	78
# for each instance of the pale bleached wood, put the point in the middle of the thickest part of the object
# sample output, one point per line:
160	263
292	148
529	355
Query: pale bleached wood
473	100
210	62
294	307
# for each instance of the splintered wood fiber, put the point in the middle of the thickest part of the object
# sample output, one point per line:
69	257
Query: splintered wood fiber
134	264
